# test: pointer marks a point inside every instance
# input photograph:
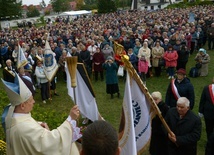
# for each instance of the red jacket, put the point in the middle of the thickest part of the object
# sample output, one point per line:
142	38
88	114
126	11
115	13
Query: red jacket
171	58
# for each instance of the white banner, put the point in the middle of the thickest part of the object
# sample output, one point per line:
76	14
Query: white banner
137	118
84	97
50	64
21	59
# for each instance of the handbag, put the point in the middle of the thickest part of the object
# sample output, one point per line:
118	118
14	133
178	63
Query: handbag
161	62
120	71
198	65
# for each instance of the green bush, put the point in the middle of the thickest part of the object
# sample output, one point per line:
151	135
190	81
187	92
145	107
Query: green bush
42	19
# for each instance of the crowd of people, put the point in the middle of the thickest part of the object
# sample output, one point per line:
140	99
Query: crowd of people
157	42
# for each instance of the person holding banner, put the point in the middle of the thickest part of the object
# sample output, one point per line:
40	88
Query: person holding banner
26	136
186	129
9	71
158	144
180	87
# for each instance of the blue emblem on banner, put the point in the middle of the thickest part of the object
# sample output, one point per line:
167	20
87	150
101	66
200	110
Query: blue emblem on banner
136	112
48	60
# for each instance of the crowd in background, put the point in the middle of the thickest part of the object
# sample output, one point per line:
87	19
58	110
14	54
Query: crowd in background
155	39
130	29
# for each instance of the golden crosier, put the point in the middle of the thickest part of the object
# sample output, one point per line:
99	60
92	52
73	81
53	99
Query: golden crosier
72	66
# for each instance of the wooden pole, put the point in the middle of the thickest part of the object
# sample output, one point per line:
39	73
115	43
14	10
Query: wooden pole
72	68
142	87
49	87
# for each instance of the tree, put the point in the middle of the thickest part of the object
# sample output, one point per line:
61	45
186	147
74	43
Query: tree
86	4
60	5
80	4
10	9
105	6
32	11
90	2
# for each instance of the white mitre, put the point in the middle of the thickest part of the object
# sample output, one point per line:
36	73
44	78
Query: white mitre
17	92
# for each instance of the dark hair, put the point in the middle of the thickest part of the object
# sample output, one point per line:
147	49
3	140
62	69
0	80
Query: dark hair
100	138
170	46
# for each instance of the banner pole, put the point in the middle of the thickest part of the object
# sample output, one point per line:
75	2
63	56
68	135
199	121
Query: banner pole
49	87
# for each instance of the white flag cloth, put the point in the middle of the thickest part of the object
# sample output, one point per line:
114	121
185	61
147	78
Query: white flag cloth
21	59
137	129
50	64
85	98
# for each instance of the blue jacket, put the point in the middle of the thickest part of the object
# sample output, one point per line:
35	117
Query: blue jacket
136	50
4	50
133	59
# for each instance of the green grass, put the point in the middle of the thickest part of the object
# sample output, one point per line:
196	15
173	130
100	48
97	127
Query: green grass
56	111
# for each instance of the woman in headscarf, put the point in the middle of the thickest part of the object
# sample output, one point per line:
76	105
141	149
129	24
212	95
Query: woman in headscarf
111	77
203	59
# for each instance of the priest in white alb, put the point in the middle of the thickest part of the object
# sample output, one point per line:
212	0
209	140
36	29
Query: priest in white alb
26	136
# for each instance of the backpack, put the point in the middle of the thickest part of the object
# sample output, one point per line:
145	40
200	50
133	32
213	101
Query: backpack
193	72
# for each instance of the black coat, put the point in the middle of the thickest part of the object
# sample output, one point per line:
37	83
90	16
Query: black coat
78	56
187	131
209	146
206	106
185	89
9	74
158	144
183	54
85	57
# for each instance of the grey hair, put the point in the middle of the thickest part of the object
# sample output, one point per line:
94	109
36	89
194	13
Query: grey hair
157	94
183	100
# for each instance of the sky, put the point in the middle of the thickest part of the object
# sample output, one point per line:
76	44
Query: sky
34	2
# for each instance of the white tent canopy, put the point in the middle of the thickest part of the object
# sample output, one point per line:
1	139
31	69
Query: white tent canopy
74	13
